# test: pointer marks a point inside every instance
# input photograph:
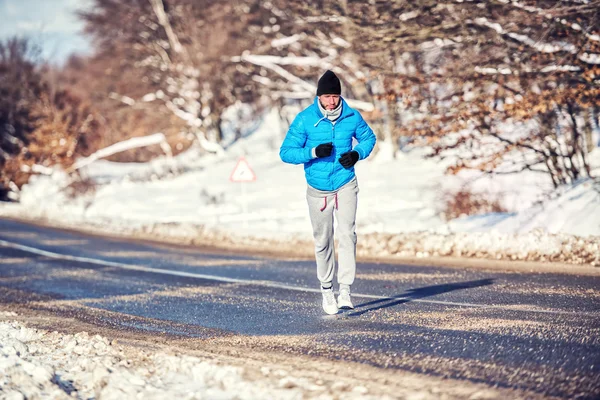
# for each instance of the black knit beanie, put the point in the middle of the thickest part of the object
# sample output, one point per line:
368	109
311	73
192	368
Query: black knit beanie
329	83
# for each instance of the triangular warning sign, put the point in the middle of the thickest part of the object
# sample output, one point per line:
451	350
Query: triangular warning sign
242	172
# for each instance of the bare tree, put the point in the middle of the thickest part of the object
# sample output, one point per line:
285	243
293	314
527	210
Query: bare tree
167	56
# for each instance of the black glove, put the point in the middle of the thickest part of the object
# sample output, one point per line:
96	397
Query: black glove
324	150
349	158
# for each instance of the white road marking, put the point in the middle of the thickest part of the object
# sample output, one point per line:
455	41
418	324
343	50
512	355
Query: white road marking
272	284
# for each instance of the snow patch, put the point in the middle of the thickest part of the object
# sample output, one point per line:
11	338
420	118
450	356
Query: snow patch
41	364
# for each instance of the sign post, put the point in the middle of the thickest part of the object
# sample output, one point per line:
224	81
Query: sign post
243	173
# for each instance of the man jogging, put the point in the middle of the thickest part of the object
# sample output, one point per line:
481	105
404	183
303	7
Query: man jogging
321	138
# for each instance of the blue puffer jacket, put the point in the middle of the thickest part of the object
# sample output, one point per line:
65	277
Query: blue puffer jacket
309	129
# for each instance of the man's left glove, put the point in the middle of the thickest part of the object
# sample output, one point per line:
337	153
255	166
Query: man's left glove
348	159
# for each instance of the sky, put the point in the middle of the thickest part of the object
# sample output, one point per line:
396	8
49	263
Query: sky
51	24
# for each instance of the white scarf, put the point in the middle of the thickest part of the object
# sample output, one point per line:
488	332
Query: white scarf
331	115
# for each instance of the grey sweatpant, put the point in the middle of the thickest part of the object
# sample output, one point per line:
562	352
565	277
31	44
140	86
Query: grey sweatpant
322	206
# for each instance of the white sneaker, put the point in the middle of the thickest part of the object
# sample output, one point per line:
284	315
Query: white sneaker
329	304
344	300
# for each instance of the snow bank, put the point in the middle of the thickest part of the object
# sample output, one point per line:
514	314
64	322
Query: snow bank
38	364
536	245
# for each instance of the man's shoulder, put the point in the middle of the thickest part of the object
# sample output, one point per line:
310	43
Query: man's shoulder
349	111
308	113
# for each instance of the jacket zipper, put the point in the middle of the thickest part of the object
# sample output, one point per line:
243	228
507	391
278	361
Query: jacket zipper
335	150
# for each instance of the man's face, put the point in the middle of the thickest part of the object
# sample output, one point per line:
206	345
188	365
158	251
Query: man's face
329	101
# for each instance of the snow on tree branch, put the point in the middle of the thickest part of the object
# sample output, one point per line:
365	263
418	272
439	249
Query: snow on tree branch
123	99
163	19
325	18
508	71
590	58
297	61
561	68
37	169
157	138
271	62
286	41
543	47
338	41
191	119
548	15
360	105
538	45
493	71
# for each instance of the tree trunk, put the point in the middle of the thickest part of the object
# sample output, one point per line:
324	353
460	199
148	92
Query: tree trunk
588	130
555	160
577	150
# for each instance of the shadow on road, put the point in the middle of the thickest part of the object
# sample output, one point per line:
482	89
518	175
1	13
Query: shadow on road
413	294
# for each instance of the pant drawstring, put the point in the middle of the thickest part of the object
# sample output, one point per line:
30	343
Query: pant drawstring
325	203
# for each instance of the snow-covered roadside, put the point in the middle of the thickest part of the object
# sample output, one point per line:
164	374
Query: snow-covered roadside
40	364
536	245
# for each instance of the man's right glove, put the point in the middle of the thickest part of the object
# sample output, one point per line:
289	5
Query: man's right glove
324	150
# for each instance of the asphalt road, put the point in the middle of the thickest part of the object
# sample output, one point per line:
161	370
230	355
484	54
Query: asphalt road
539	332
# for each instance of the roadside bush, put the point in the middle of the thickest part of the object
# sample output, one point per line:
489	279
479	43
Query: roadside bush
40	126
464	203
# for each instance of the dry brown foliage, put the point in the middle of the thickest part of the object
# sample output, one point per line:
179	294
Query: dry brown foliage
465	203
40	125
